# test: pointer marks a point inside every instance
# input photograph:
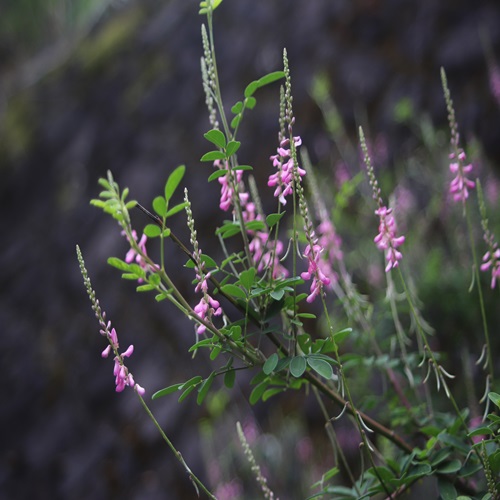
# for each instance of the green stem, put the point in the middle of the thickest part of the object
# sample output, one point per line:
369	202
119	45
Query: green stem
192	476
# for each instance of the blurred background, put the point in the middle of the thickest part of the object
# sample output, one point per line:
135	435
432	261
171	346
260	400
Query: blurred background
87	86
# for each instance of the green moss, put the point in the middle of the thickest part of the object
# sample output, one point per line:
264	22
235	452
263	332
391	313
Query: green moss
96	51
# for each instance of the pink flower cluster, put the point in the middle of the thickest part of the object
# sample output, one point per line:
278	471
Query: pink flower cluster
226	190
133	255
319	279
460	184
283	178
491	260
387	239
265	253
123	377
208	306
330	242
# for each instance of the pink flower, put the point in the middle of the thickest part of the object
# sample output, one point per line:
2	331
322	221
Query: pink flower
491	259
226	190
460	184
319	279
386	239
283	178
330	242
265	253
138	257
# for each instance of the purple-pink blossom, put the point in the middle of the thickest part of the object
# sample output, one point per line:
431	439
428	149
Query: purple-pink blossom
386	239
132	255
226	190
460	185
491	260
319	279
330	242
265	252
283	178
123	377
208	306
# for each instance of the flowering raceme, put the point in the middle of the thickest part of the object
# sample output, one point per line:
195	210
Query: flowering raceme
283	178
460	184
387	239
313	253
207	306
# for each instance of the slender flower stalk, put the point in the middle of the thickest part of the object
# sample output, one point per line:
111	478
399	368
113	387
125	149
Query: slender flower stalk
123	377
386	239
208	306
460	185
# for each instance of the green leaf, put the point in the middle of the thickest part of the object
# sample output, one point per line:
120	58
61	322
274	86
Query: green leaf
229	378
118	263
450	467
340	336
480	431
247	278
321	367
215	352
167	390
272	219
175	209
159	206
232	147
218	173
152	230
258	391
173	181
130	204
145	288
251	88
234	291
202	343
205	387
237	108
386	474
272	392
255	225
277	294
270	363
242	167
213	155
250	102
271	77
446	489
235	121
228	229
216	137
298	366
495	398
186	393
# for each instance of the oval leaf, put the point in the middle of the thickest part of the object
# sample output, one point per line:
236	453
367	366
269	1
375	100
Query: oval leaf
118	263
152	230
232	147
173	181
203	390
216	137
159	206
229	378
167	390
321	367
270	364
298	366
213	155
234	291
272	219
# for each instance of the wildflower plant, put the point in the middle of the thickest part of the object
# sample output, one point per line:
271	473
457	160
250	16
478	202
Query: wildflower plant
270	307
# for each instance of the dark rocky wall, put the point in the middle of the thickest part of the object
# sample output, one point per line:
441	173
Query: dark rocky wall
129	99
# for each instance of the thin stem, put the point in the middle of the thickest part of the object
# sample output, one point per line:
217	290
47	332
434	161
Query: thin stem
192	476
